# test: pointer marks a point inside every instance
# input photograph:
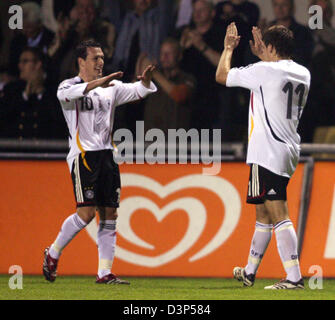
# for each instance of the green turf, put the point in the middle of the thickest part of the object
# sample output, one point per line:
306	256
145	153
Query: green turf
81	288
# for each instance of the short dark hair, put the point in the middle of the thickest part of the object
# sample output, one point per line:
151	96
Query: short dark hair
292	3
174	42
81	49
281	38
38	55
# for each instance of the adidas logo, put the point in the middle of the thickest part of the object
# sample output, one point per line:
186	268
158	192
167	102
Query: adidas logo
272	192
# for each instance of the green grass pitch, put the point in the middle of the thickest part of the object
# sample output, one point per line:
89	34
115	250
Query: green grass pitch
82	288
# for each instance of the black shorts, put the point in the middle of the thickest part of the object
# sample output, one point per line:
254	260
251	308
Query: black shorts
96	179
265	185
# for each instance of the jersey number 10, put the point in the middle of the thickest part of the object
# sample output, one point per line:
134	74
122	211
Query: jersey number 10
300	91
86	104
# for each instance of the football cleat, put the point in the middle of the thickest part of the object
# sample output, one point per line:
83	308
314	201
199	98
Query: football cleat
111	279
287	284
49	266
240	275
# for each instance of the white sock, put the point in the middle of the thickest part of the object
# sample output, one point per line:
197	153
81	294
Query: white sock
71	226
106	246
259	243
287	245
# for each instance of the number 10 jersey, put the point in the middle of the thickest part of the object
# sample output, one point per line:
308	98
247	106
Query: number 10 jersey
90	116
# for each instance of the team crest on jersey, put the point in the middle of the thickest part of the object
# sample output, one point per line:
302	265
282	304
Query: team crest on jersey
89	194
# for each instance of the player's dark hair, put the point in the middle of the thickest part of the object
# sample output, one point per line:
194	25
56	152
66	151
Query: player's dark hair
81	49
282	39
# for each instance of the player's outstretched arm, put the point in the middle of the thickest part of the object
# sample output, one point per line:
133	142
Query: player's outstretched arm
68	92
103	82
231	41
128	92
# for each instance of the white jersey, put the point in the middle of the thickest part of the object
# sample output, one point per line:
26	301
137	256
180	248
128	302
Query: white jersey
90	116
279	92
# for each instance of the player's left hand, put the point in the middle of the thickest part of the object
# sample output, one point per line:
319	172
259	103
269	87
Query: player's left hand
232	38
257	46
147	75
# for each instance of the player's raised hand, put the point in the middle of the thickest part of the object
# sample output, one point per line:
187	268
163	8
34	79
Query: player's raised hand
147	75
257	46
106	81
232	38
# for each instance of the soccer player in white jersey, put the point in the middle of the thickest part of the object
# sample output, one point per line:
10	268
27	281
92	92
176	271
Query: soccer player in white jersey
279	89
88	102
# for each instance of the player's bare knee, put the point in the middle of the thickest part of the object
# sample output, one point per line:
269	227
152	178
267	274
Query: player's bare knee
279	218
262	215
86	213
114	214
108	214
278	210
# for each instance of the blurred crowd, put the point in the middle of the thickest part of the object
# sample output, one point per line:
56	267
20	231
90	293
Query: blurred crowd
184	38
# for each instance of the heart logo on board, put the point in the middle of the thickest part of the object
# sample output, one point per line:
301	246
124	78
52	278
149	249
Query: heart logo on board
194	208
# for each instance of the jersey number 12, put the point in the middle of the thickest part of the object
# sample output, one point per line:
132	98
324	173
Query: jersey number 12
300	91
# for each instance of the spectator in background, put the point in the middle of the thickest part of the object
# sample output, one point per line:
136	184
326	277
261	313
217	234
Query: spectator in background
5	78
304	44
320	110
227	12
52	9
233	113
28	108
248	11
114	12
202	42
82	23
142	31
184	13
34	34
170	107
324	37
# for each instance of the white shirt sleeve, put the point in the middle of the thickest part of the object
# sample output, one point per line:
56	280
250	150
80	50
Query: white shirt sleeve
128	92
67	92
249	77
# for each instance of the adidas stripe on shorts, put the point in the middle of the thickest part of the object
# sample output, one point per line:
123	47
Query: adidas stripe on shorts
265	185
